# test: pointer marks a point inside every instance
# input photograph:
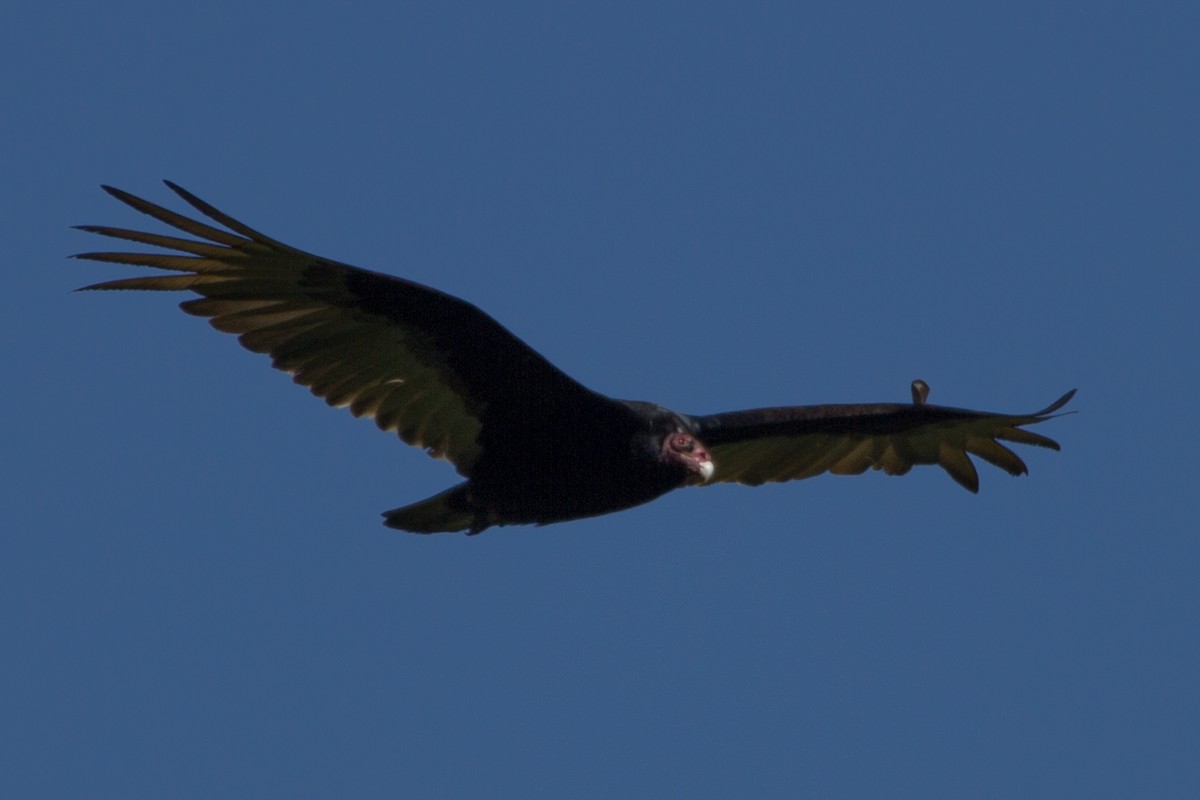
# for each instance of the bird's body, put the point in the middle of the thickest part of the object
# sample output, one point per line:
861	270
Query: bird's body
532	473
535	446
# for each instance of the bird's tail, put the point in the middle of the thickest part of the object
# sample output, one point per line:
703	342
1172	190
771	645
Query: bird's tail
446	512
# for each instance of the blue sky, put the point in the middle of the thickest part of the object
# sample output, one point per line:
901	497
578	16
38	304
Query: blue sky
712	206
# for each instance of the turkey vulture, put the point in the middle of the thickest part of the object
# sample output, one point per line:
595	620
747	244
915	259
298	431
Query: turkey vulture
534	445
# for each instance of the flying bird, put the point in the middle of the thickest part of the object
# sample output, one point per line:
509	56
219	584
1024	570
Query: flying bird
534	446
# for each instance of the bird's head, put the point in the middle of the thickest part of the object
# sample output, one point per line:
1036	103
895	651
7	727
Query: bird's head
687	451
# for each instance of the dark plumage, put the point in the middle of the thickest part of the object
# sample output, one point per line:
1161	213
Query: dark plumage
534	445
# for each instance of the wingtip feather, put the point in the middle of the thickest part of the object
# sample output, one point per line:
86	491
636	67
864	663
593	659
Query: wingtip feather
958	466
122	195
1056	405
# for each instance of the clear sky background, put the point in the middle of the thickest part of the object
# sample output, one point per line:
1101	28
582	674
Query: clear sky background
712	206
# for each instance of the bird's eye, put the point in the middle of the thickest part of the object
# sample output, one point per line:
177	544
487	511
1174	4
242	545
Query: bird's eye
684	443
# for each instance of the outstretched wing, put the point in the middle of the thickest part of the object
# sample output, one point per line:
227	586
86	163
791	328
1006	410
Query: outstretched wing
784	444
426	365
